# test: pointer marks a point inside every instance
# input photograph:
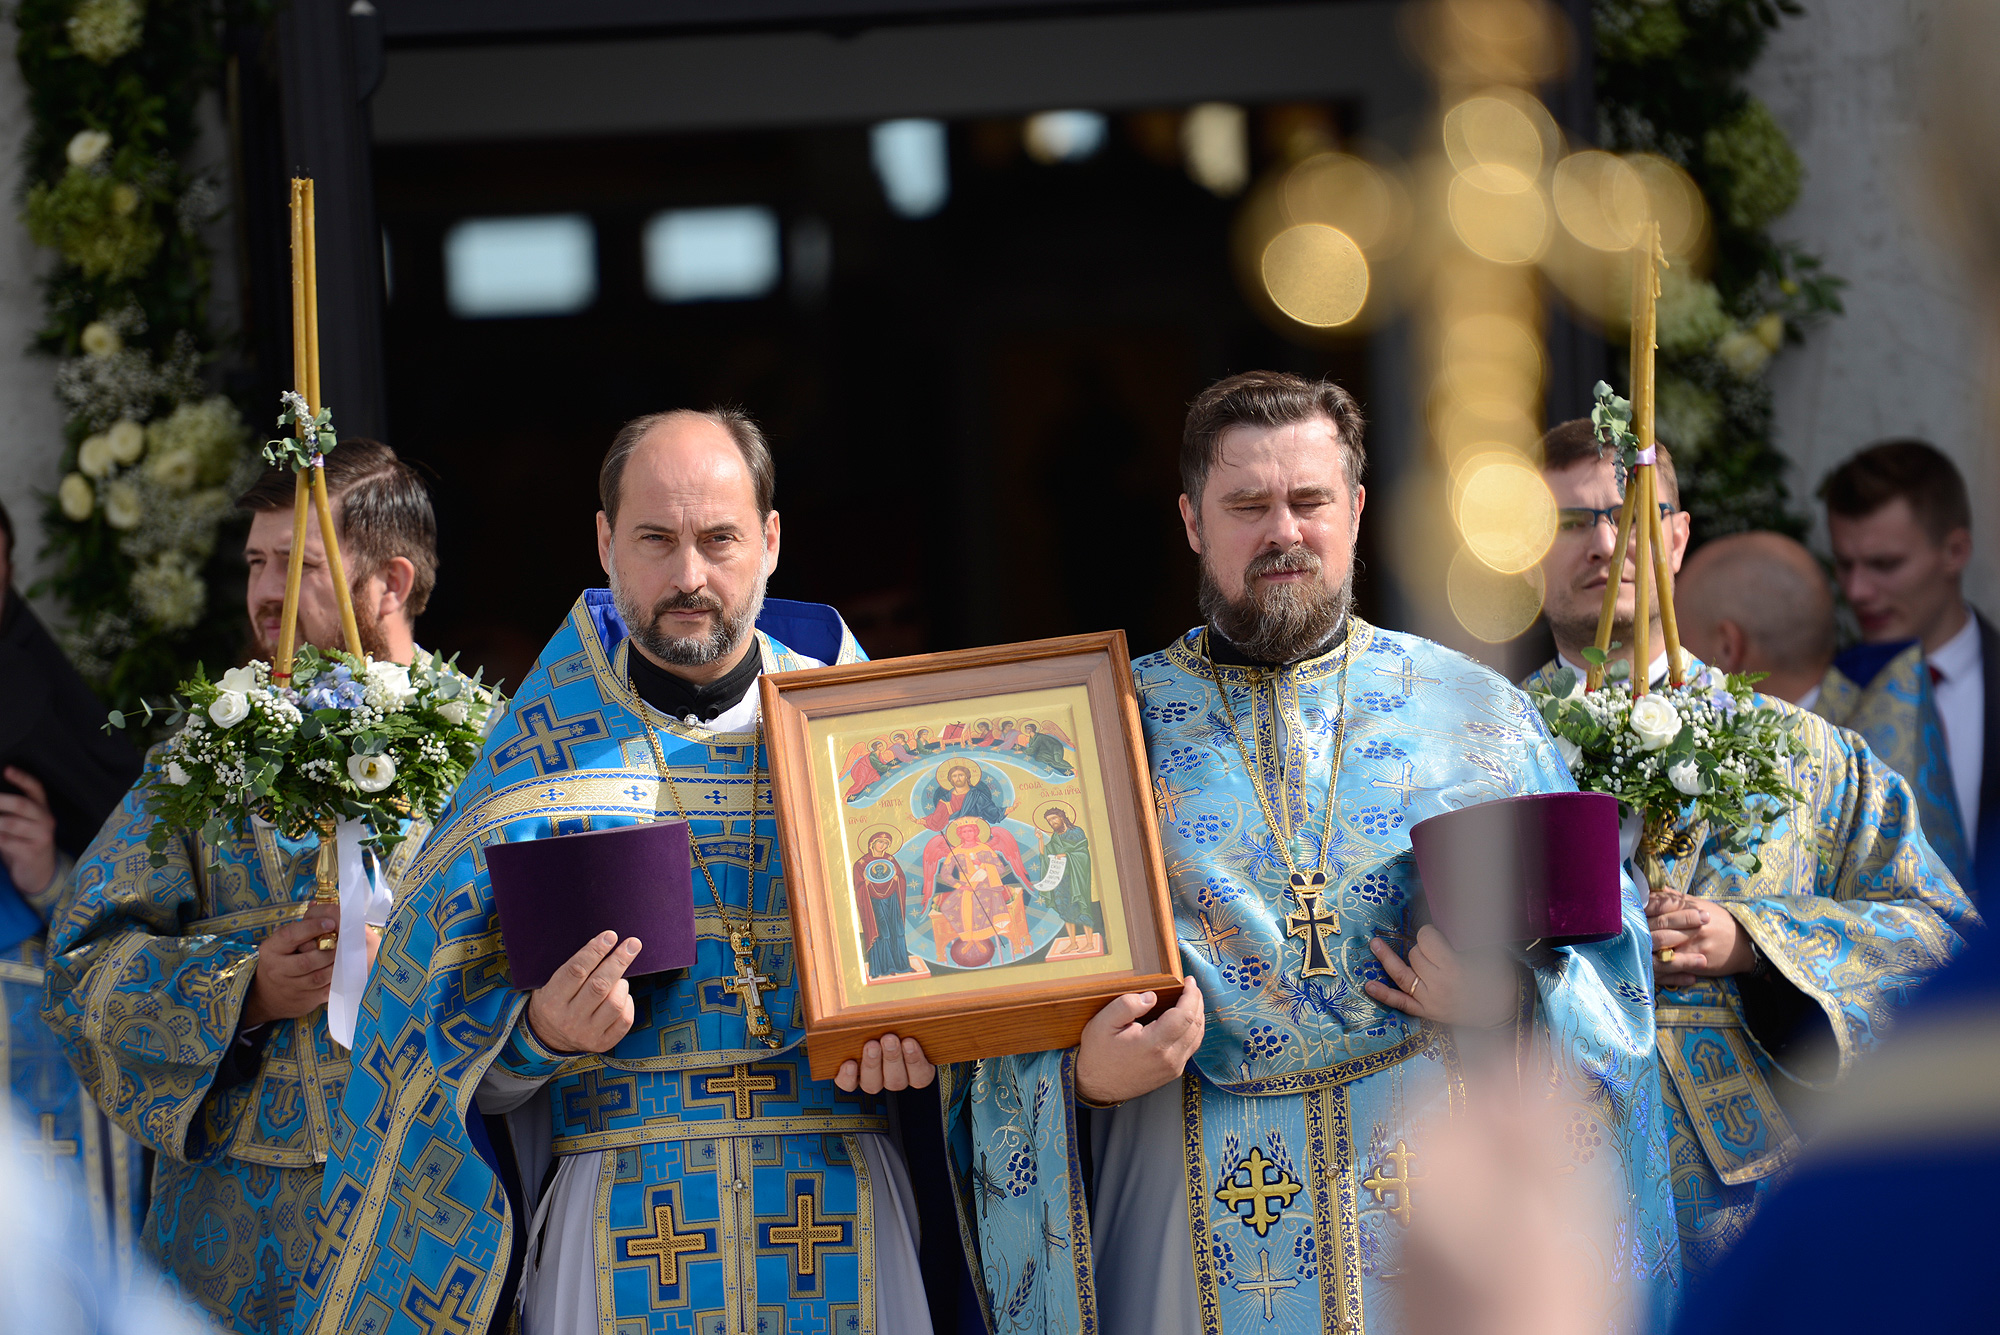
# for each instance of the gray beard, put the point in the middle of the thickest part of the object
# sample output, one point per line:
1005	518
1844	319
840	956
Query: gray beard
1284	622
729	630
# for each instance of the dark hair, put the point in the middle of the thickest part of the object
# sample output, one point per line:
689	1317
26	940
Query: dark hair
1575	442
1266	399
385	512
7	530
748	436
1915	470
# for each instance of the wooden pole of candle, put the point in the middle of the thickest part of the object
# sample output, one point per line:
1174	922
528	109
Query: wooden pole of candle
288	627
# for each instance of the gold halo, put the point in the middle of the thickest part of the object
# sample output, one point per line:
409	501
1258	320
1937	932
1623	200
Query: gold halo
1042	812
957	823
943	776
879	741
895	839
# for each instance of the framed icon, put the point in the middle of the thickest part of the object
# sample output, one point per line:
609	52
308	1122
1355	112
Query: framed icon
970	852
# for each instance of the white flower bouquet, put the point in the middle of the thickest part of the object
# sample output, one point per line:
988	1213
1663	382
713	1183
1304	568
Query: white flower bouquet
352	739
1703	751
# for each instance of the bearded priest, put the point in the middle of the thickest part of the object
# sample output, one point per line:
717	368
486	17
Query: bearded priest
1293	745
1771	983
192	998
680	1167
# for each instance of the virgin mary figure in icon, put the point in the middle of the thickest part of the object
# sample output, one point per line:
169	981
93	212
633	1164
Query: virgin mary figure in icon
880	899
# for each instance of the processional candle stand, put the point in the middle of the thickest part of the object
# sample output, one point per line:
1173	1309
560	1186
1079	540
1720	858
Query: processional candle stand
308	467
1654	576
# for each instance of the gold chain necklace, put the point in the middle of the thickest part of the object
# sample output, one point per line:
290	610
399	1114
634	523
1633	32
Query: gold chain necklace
747	983
1309	889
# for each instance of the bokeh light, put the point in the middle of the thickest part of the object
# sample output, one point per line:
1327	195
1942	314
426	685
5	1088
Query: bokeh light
1354	195
1500	129
1316	274
1674	201
1492	357
1601	201
1215	140
1493	606
1499	213
1504	510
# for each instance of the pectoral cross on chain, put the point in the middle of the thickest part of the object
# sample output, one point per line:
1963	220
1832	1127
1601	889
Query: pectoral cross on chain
1309	893
749	985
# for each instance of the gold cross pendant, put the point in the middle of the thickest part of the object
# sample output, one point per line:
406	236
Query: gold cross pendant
749	985
1312	922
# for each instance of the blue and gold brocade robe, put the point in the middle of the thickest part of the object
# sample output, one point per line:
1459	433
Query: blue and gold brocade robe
1884	693
1851	909
732	1194
1308	1111
149	969
68	1136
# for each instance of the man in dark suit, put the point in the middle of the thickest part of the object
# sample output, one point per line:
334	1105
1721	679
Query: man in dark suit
1901	526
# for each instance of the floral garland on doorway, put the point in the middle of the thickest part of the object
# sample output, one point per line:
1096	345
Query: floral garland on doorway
152	456
1669	81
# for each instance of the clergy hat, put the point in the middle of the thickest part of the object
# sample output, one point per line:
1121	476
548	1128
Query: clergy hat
1543	867
555	894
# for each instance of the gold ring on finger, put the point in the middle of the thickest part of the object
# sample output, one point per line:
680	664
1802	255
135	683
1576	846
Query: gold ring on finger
1667	955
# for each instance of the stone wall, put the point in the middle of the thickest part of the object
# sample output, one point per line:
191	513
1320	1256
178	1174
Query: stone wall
31	421
1912	356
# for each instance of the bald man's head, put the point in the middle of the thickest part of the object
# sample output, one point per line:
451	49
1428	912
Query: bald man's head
1758	602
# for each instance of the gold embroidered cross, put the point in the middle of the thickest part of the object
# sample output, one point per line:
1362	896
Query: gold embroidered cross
1266	1285
804	1234
1261	1191
667	1245
1213	939
1403	1183
749	985
744	1086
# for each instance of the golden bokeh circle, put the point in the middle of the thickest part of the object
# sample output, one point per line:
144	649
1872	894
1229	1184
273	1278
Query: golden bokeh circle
1316	274
1504	510
1493	606
1492	358
1499	213
1600	200
1499	131
1347	193
1674	201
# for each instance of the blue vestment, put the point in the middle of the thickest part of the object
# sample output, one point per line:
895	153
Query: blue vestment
1883	692
149	969
1303	1124
1851	909
729	1189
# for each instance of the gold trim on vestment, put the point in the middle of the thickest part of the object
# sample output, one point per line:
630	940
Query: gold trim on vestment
249	920
670	1132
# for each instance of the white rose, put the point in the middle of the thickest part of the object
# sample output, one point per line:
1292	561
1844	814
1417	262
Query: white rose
1686	776
100	339
454	711
176	775
1570	752
93	457
1655	721
371	774
77	497
86	147
230	708
128	440
176	470
121	505
242	680
393	680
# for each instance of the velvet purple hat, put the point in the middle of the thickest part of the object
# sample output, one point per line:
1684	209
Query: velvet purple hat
1540	867
555	894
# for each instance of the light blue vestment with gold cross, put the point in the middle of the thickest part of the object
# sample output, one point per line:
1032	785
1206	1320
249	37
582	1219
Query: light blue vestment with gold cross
731	1192
1850	909
148	972
1296	1146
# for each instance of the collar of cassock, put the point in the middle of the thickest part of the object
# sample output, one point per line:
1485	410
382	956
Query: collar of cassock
677	697
1224	650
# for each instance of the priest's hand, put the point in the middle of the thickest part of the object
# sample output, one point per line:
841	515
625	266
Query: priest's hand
1120	1058
1695	938
27	833
886	1063
1442	985
293	973
587	1005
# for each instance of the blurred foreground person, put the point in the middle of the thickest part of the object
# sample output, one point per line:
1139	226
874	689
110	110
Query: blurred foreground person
192	997
54	1278
1900	522
1292	747
60	776
1771	982
1760	602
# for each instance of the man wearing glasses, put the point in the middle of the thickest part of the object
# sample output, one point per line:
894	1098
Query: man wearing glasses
1800	962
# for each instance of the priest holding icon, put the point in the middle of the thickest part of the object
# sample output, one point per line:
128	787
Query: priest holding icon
678	1162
